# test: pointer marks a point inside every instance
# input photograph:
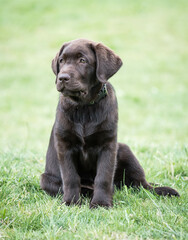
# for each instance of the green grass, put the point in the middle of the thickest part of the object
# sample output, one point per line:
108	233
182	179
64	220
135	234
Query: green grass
152	89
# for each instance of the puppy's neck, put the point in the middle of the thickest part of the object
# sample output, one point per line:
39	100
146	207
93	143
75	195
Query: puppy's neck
100	91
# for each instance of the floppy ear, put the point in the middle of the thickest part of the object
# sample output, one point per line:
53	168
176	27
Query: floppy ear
107	62
55	63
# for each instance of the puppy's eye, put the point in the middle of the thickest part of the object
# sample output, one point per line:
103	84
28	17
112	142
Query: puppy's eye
82	60
61	60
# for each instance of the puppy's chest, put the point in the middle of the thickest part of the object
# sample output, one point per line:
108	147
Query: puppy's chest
86	120
87	130
84	131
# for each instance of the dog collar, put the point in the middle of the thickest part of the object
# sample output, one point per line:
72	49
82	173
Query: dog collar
101	94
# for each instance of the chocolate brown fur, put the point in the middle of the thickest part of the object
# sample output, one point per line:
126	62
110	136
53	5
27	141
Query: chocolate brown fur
83	153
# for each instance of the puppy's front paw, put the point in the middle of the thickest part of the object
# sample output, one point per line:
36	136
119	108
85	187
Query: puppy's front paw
102	201
71	197
71	201
166	191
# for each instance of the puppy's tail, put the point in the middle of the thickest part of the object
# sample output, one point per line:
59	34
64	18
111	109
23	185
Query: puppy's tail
162	191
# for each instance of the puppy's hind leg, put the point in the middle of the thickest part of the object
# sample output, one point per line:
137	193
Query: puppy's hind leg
51	184
51	181
130	172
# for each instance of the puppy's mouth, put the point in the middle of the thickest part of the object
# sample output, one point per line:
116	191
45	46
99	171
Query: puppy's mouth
74	95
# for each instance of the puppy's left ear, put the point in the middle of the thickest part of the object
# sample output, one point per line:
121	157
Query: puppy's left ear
107	62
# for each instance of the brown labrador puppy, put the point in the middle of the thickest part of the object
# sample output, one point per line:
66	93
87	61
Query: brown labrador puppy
83	152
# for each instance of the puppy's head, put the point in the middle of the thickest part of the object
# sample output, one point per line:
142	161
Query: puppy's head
81	67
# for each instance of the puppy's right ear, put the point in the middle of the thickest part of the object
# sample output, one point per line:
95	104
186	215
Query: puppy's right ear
55	61
55	64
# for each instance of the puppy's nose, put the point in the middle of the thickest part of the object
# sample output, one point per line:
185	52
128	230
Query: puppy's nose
64	77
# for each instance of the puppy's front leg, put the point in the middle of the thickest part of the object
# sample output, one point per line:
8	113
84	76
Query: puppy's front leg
70	177
103	184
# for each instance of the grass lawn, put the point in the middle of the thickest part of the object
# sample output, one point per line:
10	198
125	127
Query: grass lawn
152	88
